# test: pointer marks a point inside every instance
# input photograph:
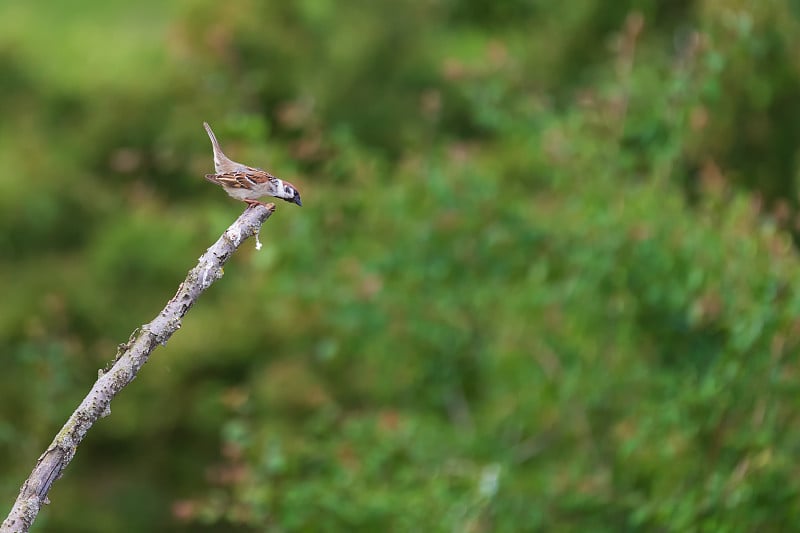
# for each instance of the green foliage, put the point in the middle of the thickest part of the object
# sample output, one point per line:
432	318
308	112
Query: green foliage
543	278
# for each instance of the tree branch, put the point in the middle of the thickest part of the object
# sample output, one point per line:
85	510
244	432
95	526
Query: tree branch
130	358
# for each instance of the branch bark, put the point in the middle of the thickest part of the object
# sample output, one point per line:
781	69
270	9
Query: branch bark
130	358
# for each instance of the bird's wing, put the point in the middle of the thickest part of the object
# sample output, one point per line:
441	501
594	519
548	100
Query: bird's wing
241	179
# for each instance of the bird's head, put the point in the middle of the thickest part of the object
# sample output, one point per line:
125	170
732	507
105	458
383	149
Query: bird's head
290	194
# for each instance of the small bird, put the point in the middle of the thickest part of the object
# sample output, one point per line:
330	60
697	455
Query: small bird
247	183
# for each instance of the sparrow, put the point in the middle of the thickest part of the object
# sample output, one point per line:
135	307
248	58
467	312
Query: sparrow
247	183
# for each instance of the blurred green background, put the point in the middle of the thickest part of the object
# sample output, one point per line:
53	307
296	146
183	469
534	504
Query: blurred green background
545	276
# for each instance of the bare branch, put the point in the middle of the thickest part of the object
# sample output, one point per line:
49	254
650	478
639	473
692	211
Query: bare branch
130	358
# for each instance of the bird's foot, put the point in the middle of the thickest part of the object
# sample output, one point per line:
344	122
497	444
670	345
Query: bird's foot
254	203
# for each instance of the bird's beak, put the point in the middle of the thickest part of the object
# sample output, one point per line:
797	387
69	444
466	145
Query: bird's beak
297	200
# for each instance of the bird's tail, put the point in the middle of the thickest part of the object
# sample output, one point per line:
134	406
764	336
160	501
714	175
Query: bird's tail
221	161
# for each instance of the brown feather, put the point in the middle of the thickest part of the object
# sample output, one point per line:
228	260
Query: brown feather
241	179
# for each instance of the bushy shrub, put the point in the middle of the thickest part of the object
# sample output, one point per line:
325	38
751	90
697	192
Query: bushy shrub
543	277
